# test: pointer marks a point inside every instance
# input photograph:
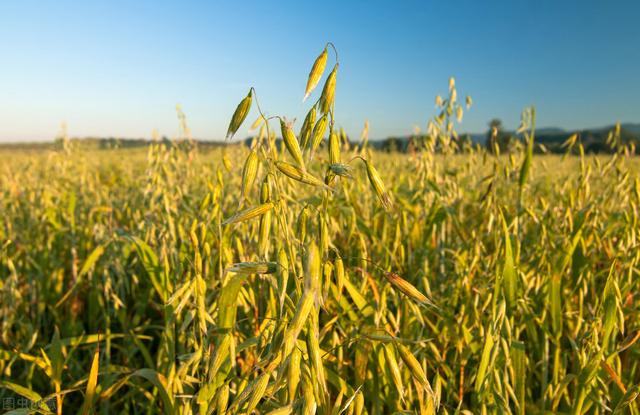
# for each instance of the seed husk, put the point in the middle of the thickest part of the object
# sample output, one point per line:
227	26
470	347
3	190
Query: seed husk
394	369
412	364
291	143
339	273
407	288
298	174
334	149
328	92
378	185
249	213
299	319
239	115
249	172
318	133
312	269
222	399
316	73
307	127
258	392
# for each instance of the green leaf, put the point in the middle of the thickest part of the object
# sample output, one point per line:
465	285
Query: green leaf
152	266
91	383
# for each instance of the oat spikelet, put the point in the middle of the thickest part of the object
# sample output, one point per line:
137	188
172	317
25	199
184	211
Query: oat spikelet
312	269
316	73
257	123
407	288
298	174
293	373
318	133
291	142
222	399
297	323
328	92
249	213
394	369
249	172
226	161
413	365
334	149
265	221
339	273
258	392
307	127
240	114
378	185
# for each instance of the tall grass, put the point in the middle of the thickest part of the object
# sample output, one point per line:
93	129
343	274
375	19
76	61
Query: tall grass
324	278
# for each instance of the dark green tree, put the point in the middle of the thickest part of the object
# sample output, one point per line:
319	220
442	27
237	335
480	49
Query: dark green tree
497	135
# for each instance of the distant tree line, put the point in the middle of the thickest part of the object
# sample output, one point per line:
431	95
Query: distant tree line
601	140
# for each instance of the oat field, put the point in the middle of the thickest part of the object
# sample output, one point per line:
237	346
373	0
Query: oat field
320	276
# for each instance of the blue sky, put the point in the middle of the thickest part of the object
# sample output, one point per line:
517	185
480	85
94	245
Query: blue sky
118	68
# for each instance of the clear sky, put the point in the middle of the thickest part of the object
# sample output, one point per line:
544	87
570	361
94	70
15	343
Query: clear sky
118	68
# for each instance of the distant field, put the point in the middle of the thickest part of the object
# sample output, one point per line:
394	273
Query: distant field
122	289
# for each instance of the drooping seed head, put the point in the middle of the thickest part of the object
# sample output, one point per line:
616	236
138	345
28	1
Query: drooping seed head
265	192
318	133
257	123
249	213
407	288
226	162
316	73
394	369
339	273
307	127
412	363
249	172
263	233
378	185
293	372
328	92
334	149
299	319
239	115
302	224
259	388
296	173
222	399
312	269
358	404
291	142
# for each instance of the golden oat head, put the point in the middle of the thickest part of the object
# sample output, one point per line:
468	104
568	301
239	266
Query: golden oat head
316	73
249	213
296	173
291	143
328	92
239	115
